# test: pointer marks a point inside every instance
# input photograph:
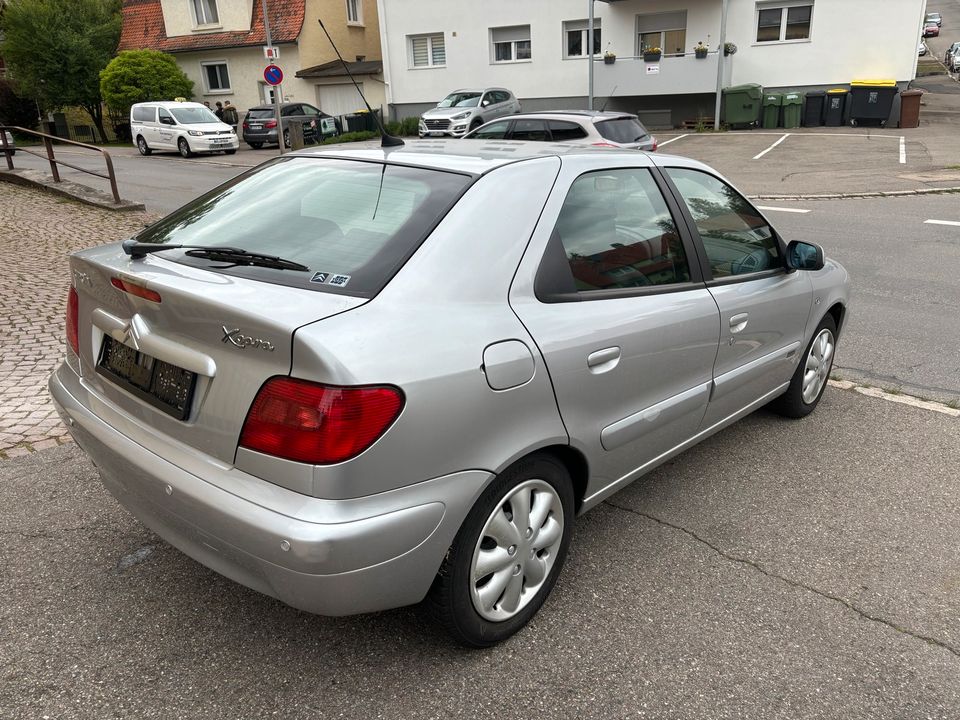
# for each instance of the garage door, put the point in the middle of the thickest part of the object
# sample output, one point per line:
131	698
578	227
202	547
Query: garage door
339	99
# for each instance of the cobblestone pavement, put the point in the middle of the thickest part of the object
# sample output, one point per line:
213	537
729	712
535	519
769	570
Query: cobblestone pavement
37	232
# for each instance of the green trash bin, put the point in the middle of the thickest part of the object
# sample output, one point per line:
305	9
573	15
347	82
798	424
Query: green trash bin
741	105
772	102
792	109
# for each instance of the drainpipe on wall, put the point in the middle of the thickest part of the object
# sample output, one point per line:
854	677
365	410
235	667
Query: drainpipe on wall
590	54
385	57
720	61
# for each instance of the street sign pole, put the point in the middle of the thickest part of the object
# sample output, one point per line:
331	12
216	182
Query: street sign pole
276	88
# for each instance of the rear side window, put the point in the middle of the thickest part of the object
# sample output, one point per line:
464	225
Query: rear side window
617	232
622	130
736	238
535	130
353	224
145	114
563	131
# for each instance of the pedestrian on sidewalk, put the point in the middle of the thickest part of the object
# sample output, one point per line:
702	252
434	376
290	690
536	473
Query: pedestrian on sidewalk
219	111
229	115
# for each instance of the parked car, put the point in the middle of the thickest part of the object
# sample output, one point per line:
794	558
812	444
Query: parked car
580	127
184	127
950	50
934	18
441	358
931	30
260	123
953	61
465	110
11	145
922	50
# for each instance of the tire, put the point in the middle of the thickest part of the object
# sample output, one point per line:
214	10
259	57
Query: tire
230	152
255	146
142	146
477	122
286	138
535	555
805	391
184	147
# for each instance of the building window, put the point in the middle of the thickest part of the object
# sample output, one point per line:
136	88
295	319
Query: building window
355	12
784	22
205	11
511	44
666	30
216	77
427	50
575	38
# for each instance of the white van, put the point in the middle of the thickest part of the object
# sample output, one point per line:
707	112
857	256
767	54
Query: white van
184	127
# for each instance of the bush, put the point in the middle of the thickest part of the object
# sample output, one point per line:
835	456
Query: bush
352	137
142	75
394	128
410	126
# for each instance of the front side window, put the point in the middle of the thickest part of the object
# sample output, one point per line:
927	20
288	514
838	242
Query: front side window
358	221
427	51
216	76
736	238
205	11
354	12
493	131
576	41
785	22
511	44
617	232
166	118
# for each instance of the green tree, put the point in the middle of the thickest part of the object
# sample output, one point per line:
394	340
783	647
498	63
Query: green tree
55	50
140	75
15	109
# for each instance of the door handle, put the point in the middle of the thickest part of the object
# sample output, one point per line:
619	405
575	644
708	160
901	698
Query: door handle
603	360
738	322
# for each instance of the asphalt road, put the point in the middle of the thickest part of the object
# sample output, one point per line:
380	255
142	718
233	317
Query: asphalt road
782	569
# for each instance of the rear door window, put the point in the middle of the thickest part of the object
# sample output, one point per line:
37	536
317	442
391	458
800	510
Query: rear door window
535	130
563	131
493	131
353	224
622	130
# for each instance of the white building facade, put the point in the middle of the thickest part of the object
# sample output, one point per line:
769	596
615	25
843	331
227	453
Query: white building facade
538	49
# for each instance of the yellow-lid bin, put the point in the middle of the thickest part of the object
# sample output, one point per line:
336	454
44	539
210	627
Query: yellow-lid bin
874	83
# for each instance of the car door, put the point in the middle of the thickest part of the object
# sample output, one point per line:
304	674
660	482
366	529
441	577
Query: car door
166	135
763	308
611	290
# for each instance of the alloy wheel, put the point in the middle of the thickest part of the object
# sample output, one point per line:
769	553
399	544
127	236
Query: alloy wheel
817	369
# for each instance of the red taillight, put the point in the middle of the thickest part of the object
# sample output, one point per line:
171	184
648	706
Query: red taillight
134	289
318	424
73	321
654	148
270	124
245	125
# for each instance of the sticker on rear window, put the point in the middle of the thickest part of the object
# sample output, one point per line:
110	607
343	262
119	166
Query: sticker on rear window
320	277
339	280
330	279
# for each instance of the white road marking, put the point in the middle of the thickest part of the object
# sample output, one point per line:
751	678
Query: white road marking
890	397
903	150
761	154
667	142
953	223
781	209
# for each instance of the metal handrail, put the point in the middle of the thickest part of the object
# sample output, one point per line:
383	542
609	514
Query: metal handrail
51	158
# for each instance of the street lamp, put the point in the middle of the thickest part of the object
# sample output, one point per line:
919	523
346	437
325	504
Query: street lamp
590	54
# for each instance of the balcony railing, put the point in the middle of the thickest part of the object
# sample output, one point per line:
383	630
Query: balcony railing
672	75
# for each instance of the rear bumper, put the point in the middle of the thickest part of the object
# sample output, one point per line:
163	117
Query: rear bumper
330	557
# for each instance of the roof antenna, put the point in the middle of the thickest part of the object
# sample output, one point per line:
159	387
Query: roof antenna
604	106
385	139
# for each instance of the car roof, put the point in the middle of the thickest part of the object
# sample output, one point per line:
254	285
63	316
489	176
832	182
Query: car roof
168	104
283	104
474	157
478	89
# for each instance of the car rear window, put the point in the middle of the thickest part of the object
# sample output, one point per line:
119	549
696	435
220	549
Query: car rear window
352	223
261	113
622	130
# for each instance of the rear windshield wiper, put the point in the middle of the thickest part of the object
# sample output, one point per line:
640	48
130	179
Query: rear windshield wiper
231	255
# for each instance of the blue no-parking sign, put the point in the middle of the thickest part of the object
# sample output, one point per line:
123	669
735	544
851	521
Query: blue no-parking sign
273	75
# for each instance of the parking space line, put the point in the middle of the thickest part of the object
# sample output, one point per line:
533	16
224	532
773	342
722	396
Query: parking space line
667	142
903	150
952	223
764	152
781	209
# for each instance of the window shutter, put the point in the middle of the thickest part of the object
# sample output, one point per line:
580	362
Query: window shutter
420	57
439	50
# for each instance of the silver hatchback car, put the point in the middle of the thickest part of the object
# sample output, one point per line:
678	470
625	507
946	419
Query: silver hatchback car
579	127
413	368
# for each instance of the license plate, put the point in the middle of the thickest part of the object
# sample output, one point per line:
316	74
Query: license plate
437	133
221	142
165	386
256	127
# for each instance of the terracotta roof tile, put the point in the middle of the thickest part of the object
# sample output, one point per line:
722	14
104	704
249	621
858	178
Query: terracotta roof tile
143	28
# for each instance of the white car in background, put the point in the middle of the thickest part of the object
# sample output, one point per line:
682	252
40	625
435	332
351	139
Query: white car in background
183	127
10	144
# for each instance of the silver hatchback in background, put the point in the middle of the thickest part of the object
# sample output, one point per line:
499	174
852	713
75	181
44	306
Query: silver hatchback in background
411	368
579	127
464	110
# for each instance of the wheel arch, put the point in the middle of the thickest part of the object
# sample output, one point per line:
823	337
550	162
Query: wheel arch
575	464
839	312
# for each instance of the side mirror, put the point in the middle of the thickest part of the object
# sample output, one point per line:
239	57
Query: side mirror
804	256
166	121
484	103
